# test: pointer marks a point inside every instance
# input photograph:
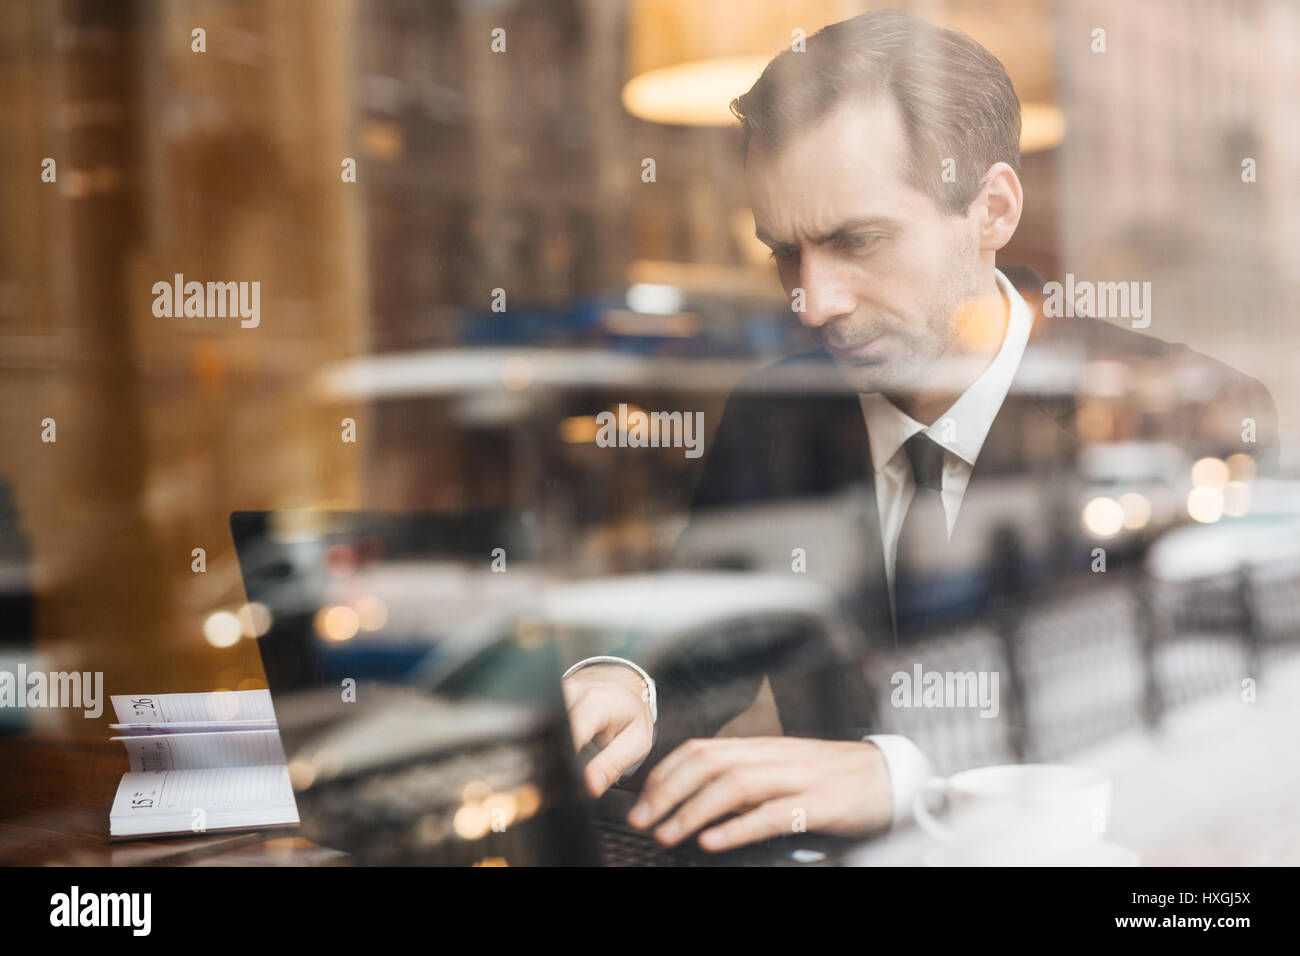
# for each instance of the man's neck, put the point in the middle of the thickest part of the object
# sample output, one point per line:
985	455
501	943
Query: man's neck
980	339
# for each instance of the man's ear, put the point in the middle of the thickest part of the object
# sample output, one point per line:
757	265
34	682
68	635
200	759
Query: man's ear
998	207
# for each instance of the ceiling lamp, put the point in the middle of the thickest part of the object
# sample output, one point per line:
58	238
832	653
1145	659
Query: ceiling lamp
687	59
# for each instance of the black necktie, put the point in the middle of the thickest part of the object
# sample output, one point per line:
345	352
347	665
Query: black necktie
922	542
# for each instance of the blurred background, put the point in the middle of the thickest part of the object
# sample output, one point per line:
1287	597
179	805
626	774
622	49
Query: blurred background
519	170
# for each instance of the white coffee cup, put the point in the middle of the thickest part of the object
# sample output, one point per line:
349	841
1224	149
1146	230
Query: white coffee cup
1019	812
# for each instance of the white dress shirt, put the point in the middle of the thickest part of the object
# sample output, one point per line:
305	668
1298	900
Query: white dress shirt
961	431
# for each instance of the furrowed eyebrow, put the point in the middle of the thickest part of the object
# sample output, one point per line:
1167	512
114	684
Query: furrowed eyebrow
848	226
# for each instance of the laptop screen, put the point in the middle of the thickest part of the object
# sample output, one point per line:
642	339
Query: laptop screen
416	690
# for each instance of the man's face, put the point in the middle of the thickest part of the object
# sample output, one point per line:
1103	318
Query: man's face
885	274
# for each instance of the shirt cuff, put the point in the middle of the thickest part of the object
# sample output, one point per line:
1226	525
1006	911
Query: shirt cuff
908	768
652	696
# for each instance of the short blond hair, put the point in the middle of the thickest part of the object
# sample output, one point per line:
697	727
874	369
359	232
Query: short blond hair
954	97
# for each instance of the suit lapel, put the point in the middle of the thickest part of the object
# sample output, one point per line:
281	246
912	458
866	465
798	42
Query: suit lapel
877	614
869	604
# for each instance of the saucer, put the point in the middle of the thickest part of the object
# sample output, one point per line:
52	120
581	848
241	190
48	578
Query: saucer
1094	854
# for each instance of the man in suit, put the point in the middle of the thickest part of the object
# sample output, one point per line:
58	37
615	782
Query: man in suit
882	170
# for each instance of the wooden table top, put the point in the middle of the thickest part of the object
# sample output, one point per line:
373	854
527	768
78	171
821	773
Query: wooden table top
54	799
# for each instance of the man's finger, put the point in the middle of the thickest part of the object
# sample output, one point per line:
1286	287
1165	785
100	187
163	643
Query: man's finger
619	754
736	790
771	819
592	714
674	779
690	767
755	749
686	770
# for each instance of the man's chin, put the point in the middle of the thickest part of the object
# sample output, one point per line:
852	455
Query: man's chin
865	377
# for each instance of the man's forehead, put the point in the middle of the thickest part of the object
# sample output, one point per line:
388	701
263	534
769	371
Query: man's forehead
848	164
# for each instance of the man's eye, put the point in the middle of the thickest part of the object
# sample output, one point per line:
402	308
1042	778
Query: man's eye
857	242
784	253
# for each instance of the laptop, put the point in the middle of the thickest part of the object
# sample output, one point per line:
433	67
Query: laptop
419	702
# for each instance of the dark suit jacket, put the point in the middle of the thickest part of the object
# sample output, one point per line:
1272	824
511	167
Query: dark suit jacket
791	433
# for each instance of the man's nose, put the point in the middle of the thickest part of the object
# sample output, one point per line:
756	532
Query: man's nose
825	295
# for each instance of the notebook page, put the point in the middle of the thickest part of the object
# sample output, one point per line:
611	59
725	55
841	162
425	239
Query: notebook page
178	800
203	750
222	706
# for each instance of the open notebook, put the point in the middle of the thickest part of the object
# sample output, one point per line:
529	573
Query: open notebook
199	763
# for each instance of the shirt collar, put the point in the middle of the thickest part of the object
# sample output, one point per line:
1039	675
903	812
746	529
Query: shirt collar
972	414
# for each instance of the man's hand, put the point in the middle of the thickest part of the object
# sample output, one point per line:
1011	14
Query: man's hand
777	785
608	704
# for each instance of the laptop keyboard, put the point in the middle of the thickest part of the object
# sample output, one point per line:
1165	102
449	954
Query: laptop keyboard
621	845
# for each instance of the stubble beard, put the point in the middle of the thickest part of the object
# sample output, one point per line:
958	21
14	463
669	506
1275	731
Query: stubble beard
944	323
